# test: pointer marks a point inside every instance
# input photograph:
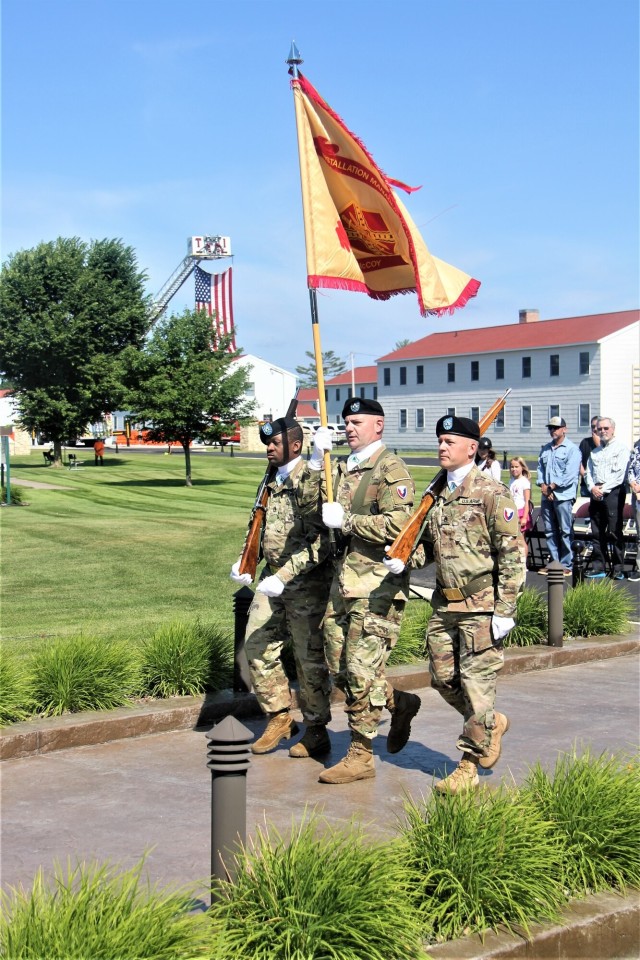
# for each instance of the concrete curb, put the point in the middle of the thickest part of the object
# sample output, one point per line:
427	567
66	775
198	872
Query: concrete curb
34	737
601	927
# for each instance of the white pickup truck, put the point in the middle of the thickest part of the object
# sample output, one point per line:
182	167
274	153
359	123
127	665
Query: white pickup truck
337	429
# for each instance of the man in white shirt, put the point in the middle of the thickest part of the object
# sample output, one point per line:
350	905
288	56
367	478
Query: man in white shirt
605	476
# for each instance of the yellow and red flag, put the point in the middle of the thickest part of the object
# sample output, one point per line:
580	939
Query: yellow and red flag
359	235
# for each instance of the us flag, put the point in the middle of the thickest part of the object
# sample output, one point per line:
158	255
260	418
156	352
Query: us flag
214	294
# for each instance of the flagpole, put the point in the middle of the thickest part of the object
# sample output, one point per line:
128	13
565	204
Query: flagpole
294	60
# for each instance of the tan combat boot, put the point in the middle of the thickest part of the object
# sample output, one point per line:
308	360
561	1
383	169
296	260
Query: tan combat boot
406	705
315	742
495	747
281	726
357	765
464	777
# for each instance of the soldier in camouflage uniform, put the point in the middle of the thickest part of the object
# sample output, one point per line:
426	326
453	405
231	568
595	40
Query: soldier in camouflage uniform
291	598
479	553
374	495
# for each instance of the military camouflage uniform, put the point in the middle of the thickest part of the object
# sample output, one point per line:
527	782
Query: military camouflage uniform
478	550
296	547
366	602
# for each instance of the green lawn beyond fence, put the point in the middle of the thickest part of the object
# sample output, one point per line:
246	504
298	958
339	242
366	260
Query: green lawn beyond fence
125	547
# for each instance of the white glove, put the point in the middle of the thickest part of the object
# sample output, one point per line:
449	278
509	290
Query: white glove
500	626
243	578
333	515
271	586
322	441
393	564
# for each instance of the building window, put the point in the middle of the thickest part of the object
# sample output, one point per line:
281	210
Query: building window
386	376
554	365
451	373
362	392
420	374
326	396
554	410
475	370
420	418
525	417
526	367
499	421
403	419
451	411
338	393
500	369
584	363
375	392
403	376
251	390
475	414
584	414
349	393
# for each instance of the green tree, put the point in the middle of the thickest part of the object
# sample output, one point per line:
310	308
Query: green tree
331	366
402	343
182	387
67	310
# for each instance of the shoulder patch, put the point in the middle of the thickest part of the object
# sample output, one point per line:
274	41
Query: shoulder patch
397	473
506	516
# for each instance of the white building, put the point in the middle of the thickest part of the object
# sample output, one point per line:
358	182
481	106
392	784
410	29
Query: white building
574	368
271	388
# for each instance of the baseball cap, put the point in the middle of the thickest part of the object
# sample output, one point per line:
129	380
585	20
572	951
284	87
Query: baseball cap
557	422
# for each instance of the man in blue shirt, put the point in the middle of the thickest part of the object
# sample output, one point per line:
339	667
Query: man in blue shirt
558	472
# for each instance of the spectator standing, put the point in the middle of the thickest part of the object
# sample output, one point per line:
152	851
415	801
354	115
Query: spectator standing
606	475
558	472
520	490
486	460
98	452
633	479
587	444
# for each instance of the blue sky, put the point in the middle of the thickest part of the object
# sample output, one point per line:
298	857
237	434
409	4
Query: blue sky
152	120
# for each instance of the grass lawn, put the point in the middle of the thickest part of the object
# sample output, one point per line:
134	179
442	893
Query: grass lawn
125	547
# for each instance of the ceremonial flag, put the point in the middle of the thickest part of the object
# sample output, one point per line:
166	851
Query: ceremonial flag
213	294
359	236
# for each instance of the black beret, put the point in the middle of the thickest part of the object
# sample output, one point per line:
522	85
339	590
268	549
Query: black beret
361	405
272	428
484	443
458	426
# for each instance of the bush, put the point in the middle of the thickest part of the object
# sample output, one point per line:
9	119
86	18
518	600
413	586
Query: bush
321	895
594	609
531	620
16	700
481	860
410	647
184	659
83	673
594	807
92	911
17	496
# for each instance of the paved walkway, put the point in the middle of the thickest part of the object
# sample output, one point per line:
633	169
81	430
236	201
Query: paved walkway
117	800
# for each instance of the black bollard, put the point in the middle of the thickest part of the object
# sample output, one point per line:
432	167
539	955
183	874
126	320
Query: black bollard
241	603
579	563
231	453
505	459
228	759
555	590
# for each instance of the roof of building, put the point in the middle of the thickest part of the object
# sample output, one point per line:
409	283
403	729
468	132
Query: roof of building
305	411
517	336
360	375
307	394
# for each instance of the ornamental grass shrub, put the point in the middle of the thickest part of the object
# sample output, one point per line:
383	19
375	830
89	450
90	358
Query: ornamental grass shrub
592	805
17	496
410	646
83	673
320	894
16	685
186	658
531	620
595	609
92	912
480	860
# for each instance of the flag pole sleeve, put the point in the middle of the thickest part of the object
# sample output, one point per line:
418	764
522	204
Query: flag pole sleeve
317	351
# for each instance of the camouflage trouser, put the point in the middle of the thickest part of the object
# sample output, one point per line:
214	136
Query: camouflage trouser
464	666
359	635
298	613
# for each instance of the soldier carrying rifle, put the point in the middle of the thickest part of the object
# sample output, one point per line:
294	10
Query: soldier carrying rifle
291	597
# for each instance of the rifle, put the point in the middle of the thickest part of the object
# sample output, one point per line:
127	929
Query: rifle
253	541
406	541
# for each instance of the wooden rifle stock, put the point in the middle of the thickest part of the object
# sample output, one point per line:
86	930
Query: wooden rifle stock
407	540
251	551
